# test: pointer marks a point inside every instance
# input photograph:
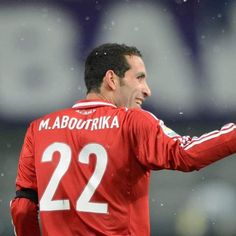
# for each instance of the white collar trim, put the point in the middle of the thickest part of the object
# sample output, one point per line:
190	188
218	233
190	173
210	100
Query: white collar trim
92	103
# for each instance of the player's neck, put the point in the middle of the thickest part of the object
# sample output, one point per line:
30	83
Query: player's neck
99	96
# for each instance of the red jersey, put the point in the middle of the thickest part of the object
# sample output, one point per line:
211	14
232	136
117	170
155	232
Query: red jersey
90	165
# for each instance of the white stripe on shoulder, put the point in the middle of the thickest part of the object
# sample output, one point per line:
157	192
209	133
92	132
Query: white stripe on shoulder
152	115
214	134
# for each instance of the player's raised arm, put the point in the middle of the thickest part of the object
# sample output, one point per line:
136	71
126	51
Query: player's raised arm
159	147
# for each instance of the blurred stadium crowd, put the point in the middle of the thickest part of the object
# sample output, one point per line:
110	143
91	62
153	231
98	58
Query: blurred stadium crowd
189	51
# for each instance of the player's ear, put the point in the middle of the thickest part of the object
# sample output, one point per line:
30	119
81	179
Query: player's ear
111	80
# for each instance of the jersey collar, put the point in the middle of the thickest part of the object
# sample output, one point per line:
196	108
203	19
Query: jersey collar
92	103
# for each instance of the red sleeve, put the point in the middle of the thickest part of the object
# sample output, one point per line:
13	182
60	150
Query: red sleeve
25	217
26	176
158	147
25	212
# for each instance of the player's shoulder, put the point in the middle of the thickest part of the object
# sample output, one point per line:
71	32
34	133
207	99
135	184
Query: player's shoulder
141	114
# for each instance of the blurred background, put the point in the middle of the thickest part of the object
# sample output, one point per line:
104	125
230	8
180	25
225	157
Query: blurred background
189	47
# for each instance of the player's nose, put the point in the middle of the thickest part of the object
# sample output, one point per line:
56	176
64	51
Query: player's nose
146	90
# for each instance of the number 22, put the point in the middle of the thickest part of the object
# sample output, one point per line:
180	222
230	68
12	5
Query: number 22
83	202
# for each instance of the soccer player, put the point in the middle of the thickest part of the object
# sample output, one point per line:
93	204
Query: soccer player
86	169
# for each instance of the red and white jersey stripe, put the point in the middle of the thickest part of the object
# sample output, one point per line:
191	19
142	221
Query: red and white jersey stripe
209	136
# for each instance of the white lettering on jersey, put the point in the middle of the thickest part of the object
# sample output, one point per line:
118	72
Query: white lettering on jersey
105	123
62	122
115	122
44	124
56	124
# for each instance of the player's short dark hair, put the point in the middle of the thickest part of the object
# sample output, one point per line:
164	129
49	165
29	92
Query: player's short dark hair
109	56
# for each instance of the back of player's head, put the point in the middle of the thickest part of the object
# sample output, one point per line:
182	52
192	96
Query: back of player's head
109	56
